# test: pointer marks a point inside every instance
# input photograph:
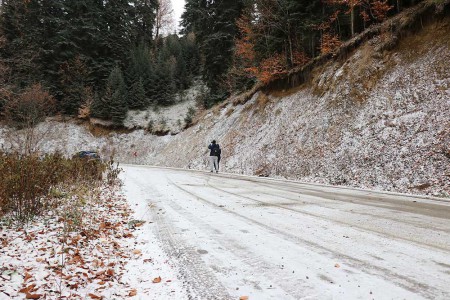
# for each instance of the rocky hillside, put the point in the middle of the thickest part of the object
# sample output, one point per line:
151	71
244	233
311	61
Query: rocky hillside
375	119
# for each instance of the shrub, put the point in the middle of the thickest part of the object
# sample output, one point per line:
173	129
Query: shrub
30	107
189	116
28	180
24	111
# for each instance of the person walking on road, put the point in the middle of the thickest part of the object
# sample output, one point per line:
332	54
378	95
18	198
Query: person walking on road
214	156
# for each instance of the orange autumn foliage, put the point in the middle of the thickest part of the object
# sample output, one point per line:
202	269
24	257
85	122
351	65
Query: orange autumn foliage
380	9
271	67
248	64
329	43
244	45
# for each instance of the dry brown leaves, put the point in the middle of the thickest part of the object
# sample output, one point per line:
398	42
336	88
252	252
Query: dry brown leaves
157	279
90	259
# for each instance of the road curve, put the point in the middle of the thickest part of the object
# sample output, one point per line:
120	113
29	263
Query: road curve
234	235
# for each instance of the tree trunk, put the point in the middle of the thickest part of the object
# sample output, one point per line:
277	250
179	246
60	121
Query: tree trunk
352	21
291	55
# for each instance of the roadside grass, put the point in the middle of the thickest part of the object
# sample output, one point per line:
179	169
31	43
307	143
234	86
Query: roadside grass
31	184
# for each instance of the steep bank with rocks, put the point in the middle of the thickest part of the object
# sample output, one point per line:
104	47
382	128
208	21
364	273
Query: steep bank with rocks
377	119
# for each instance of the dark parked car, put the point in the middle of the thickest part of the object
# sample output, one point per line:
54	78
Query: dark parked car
87	154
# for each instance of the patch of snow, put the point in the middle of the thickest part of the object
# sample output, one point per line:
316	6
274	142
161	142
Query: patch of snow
170	118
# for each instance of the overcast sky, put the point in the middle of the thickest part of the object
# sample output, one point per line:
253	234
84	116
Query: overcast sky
178	7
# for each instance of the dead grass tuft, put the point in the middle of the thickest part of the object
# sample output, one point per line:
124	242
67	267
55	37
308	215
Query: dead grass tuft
103	131
436	34
229	111
244	97
287	92
262	101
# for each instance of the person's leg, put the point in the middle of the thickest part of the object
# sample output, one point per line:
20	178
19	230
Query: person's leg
216	163
211	163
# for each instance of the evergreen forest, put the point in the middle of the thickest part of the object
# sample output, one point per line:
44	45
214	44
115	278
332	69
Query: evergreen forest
102	58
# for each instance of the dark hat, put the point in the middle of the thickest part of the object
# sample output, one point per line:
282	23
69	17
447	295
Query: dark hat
214	141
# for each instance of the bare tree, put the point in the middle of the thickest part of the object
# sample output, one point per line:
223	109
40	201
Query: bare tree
22	113
164	18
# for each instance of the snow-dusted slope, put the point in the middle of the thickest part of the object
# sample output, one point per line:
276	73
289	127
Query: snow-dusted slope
375	120
172	118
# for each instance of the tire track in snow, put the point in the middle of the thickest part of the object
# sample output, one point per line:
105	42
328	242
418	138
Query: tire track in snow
317	188
347	224
434	210
291	286
441	209
198	280
403	281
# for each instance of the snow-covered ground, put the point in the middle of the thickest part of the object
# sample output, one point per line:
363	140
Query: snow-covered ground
229	236
112	255
184	234
171	118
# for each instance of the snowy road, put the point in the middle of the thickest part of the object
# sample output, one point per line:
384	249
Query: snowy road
229	236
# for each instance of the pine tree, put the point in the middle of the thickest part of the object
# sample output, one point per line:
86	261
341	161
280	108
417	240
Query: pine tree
118	96
84	36
143	13
101	107
113	104
137	98
119	107
214	24
119	31
73	76
190	60
24	27
163	90
141	67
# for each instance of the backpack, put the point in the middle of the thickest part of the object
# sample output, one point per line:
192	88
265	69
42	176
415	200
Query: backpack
216	151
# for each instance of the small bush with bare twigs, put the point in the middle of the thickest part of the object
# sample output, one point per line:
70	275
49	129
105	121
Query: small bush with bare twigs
30	182
22	112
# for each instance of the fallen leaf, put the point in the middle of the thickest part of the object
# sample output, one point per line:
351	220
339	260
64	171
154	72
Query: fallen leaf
337	266
68	277
243	298
28	289
93	296
157	279
73	286
110	272
137	251
27	276
132	293
139	224
33	296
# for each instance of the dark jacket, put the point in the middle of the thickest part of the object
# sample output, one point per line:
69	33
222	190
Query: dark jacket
212	147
